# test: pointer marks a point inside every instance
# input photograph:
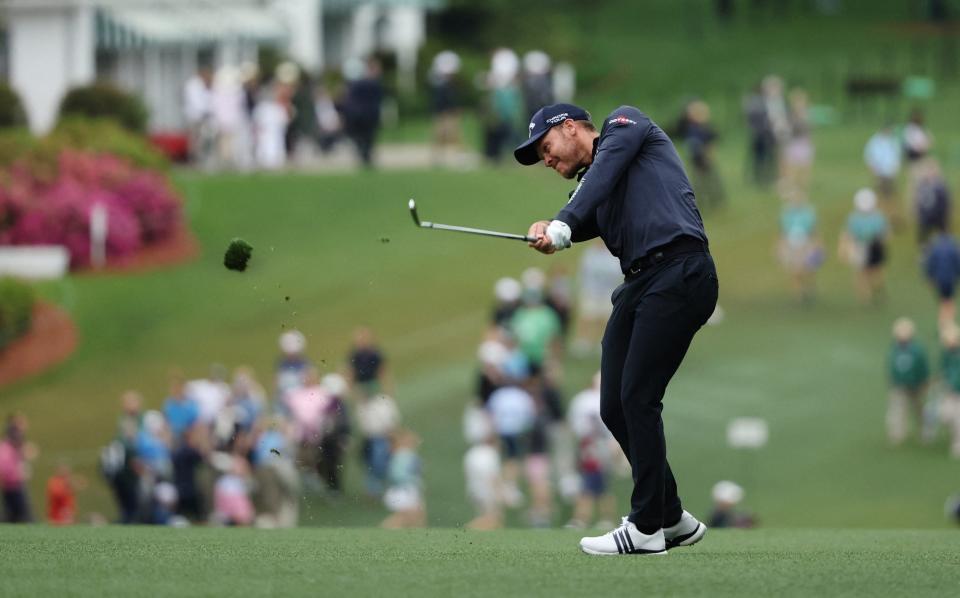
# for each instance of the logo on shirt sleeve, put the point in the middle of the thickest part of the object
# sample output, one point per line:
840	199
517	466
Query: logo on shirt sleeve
621	120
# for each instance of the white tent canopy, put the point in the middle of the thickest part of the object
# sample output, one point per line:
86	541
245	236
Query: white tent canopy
131	23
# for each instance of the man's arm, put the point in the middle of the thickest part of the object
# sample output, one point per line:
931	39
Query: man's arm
626	130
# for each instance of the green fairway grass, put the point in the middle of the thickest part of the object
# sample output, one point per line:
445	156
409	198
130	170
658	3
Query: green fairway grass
40	561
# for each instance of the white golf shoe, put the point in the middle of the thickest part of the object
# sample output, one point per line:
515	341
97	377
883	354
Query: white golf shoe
625	539
686	532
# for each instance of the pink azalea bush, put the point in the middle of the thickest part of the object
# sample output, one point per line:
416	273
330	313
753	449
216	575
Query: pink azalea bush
42	207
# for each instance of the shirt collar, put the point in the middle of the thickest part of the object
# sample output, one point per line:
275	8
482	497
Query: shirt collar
583	171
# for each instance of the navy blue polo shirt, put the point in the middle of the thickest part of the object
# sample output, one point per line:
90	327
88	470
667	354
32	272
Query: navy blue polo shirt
635	195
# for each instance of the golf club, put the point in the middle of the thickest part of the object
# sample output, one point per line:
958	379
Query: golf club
463	229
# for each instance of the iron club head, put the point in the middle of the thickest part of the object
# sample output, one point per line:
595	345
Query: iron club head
413	212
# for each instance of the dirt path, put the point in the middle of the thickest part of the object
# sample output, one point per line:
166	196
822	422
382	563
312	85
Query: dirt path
52	338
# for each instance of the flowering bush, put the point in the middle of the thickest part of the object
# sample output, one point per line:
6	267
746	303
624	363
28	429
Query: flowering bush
54	205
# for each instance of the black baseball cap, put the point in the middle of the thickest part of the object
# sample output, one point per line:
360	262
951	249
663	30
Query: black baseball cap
545	119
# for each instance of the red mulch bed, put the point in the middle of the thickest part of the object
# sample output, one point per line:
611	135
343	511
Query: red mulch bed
51	339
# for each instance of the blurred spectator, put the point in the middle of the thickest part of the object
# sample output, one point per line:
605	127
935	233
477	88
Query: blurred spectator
303	125
230	119
153	454
186	459
513	412
502	113
882	155
950	368
249	398
231	494
271	116
537	82
558	296
909	374
699	137
932	200
917	142
329	123
599	275
361	107
537	330
952	508
482	470
726	496
763	143
368	368
863	245
198	111
292	363
500	363
308	407
798	150
942	266
210	394
378	417
596	451
61	496
801	252
507	292
164	506
15	455
537	463
445	104
179	409
335	433
118	460
275	473
404	497
778	116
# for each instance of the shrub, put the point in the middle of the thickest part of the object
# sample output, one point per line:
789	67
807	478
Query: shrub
103	135
16	310
102	100
12	114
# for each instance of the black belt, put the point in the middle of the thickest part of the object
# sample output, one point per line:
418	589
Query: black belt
658	255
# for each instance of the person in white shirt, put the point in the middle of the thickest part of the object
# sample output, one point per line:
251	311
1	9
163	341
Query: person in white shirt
882	155
270	120
198	111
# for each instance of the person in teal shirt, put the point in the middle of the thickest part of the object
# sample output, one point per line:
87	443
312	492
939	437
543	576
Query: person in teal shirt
909	373
800	250
863	245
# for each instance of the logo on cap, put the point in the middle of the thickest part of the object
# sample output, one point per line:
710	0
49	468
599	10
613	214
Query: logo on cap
558	118
530	132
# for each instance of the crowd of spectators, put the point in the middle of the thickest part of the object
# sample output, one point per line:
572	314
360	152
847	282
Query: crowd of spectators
245	119
242	119
224	450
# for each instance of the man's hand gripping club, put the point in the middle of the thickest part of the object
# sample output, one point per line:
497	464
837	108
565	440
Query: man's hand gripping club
551	236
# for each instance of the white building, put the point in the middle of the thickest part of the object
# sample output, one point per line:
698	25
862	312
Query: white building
152	46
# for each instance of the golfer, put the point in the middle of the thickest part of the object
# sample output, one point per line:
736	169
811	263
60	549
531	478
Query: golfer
633	193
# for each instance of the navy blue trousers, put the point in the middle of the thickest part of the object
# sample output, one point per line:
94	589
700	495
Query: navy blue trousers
655	316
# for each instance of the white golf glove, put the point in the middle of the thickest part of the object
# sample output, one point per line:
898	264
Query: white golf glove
559	234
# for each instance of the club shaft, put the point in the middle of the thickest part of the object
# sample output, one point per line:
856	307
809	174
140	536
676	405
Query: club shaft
477	231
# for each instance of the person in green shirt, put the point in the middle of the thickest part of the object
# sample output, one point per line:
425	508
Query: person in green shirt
909	374
950	404
536	328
